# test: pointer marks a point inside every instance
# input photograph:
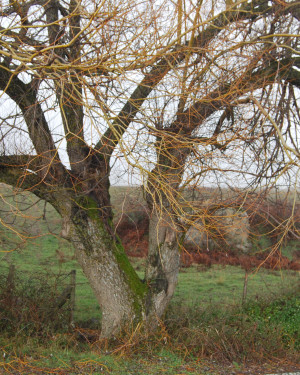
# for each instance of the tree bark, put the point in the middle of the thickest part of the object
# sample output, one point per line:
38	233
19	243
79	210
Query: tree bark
118	289
162	265
162	194
125	300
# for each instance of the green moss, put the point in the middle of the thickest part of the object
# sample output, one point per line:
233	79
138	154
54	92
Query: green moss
90	205
136	285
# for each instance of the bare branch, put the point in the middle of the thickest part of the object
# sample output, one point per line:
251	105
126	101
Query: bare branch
171	58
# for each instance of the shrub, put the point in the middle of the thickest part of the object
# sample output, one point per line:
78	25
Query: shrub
28	305
283	312
257	330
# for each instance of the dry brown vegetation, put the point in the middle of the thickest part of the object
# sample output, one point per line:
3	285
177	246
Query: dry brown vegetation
277	221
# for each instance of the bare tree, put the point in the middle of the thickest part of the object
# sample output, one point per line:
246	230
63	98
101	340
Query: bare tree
196	77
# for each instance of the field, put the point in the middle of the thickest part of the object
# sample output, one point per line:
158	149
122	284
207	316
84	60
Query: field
205	328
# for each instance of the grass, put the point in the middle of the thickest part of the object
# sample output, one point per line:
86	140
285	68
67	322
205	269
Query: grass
205	317
224	284
216	284
191	337
70	362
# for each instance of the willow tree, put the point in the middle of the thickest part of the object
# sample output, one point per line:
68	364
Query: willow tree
79	78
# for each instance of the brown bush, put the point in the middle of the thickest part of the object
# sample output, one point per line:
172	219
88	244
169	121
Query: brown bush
272	218
133	230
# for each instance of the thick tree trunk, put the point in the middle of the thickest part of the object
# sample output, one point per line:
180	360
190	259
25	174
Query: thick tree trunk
121	305
117	287
162	265
124	299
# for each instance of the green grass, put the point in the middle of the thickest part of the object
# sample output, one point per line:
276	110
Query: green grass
51	254
220	284
53	357
224	284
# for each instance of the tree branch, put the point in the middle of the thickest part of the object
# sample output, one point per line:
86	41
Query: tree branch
223	95
14	171
162	65
69	93
19	171
26	98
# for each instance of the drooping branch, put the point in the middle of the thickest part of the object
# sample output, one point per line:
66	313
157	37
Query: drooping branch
16	170
19	39
176	142
19	172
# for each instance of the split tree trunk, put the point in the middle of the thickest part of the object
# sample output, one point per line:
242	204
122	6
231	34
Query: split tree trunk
164	230
124	299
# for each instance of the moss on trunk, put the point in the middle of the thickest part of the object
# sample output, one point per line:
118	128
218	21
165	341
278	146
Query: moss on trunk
107	267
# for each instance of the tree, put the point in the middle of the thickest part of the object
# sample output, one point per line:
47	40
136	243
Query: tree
92	74
224	113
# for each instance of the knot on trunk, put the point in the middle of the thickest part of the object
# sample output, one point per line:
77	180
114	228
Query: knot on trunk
66	228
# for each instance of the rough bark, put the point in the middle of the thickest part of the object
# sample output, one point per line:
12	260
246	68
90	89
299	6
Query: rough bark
164	230
162	265
119	291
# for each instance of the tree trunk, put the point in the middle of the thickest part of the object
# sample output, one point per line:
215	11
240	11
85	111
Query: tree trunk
124	299
164	230
117	287
162	265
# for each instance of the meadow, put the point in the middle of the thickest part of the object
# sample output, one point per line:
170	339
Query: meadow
207	329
